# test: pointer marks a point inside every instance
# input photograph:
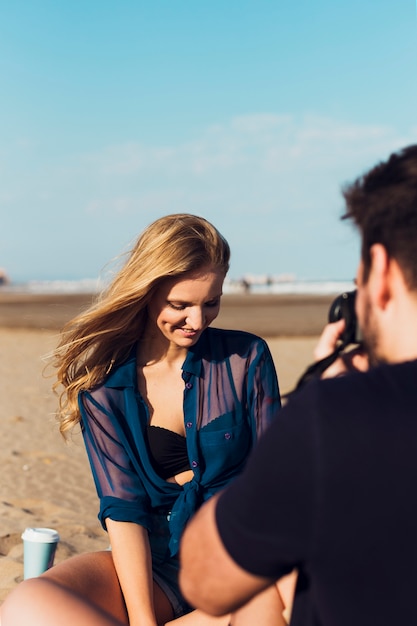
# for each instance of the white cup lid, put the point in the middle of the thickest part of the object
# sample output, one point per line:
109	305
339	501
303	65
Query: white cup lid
40	535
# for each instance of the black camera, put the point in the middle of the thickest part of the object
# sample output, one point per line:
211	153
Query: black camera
343	307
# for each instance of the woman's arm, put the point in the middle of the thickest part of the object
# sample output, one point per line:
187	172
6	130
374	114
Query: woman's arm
132	560
264	400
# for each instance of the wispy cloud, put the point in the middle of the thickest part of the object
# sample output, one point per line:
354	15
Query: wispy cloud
271	182
253	164
263	141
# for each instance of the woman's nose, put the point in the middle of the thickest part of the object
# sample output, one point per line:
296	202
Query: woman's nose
196	318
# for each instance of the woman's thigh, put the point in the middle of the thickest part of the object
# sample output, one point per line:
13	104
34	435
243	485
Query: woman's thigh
81	590
93	578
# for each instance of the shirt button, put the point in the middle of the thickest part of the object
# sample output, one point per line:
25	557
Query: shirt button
188	385
227	436
194	464
188	424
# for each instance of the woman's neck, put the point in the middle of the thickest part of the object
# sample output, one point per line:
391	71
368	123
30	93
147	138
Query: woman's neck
153	350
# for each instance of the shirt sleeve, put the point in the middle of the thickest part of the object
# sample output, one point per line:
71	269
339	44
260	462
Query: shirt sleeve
266	517
263	390
121	492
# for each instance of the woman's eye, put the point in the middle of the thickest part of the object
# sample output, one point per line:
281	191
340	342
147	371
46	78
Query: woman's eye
182	307
213	303
176	307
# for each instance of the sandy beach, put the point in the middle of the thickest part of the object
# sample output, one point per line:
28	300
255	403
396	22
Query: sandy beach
46	482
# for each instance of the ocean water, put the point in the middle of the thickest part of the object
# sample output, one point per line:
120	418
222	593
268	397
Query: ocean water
299	287
258	285
85	285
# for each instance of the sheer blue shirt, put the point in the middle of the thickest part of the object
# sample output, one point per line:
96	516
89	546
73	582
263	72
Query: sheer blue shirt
231	395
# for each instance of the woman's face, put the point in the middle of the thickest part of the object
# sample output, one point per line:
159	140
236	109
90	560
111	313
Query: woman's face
182	308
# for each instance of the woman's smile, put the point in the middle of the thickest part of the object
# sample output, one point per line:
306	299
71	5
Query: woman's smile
182	308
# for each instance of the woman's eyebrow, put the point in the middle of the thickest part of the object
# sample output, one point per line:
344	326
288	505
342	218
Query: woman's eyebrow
179	301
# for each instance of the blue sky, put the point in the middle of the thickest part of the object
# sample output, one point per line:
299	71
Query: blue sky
252	113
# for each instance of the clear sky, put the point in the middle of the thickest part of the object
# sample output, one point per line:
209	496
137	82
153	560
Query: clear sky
252	113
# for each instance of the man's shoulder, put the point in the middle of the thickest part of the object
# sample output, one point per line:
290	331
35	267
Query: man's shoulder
383	389
387	377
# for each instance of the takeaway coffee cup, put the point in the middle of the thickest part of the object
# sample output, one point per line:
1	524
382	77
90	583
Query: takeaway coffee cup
39	546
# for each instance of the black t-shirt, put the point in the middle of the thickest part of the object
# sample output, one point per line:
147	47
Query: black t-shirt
331	489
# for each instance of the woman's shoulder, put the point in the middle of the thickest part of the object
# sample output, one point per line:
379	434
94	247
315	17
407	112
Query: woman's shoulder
118	377
225	336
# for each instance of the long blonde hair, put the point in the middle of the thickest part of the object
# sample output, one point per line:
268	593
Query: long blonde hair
103	336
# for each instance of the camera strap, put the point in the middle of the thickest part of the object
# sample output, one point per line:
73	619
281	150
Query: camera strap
316	369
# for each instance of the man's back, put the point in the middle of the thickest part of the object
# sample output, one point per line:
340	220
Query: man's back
338	499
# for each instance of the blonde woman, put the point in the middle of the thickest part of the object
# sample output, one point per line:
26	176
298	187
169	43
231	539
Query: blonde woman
169	409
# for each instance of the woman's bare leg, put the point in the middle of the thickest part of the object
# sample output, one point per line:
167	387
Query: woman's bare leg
286	587
42	602
83	590
266	608
198	618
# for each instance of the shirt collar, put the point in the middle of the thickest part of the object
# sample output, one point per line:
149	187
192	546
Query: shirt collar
125	374
192	363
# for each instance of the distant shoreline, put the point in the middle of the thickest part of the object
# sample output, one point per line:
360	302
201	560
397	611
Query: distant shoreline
268	315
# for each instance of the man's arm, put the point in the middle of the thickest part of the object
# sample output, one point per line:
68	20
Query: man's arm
210	580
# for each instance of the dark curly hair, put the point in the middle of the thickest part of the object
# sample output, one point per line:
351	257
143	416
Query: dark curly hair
383	205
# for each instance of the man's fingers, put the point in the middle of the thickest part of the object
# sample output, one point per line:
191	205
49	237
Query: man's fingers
360	361
328	339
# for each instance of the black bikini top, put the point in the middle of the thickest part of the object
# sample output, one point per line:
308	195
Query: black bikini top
168	451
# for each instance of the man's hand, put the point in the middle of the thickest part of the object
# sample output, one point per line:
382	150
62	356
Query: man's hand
349	361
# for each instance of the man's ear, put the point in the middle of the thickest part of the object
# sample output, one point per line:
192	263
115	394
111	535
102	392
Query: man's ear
380	276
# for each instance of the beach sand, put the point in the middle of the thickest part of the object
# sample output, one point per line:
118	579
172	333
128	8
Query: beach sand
46	482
